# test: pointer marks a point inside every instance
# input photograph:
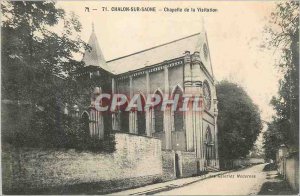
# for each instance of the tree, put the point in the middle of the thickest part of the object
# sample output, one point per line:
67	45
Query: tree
284	34
272	139
239	121
36	59
39	42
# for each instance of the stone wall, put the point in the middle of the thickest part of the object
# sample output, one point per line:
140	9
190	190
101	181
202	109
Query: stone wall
175	77
256	160
123	87
34	170
241	162
162	137
186	164
168	163
237	163
292	171
189	164
139	84
178	140
157	80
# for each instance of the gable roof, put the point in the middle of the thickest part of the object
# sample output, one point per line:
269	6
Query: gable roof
158	54
154	55
151	56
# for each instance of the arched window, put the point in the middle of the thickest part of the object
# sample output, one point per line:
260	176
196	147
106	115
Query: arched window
124	118
209	146
207	95
158	114
178	115
141	118
208	137
85	122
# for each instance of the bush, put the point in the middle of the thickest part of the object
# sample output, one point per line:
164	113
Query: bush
60	131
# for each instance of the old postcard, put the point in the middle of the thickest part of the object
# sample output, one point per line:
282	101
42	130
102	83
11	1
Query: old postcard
150	97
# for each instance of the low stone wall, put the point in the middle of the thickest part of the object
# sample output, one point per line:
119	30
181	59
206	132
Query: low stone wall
189	164
136	161
240	162
237	163
168	163
256	160
186	164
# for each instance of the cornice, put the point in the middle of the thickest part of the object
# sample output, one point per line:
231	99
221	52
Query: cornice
151	69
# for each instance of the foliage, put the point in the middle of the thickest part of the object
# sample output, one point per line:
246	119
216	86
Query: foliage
272	139
256	152
39	44
239	121
79	137
71	133
37	61
284	33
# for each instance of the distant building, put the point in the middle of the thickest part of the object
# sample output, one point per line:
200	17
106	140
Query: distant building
181	67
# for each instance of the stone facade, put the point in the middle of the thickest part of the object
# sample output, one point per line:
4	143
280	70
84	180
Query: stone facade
288	166
168	165
189	164
179	67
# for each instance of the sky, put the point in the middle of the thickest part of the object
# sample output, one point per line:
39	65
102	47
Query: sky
235	35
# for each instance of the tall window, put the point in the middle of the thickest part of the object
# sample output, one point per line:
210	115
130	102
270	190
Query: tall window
158	115
124	118
206	95
178	115
141	118
209	147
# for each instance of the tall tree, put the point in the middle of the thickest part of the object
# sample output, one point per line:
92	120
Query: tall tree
239	121
284	34
35	56
39	42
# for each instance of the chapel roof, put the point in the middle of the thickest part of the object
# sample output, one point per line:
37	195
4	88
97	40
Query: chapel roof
148	57
159	54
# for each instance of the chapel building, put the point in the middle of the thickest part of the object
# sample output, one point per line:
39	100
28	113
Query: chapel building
183	67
